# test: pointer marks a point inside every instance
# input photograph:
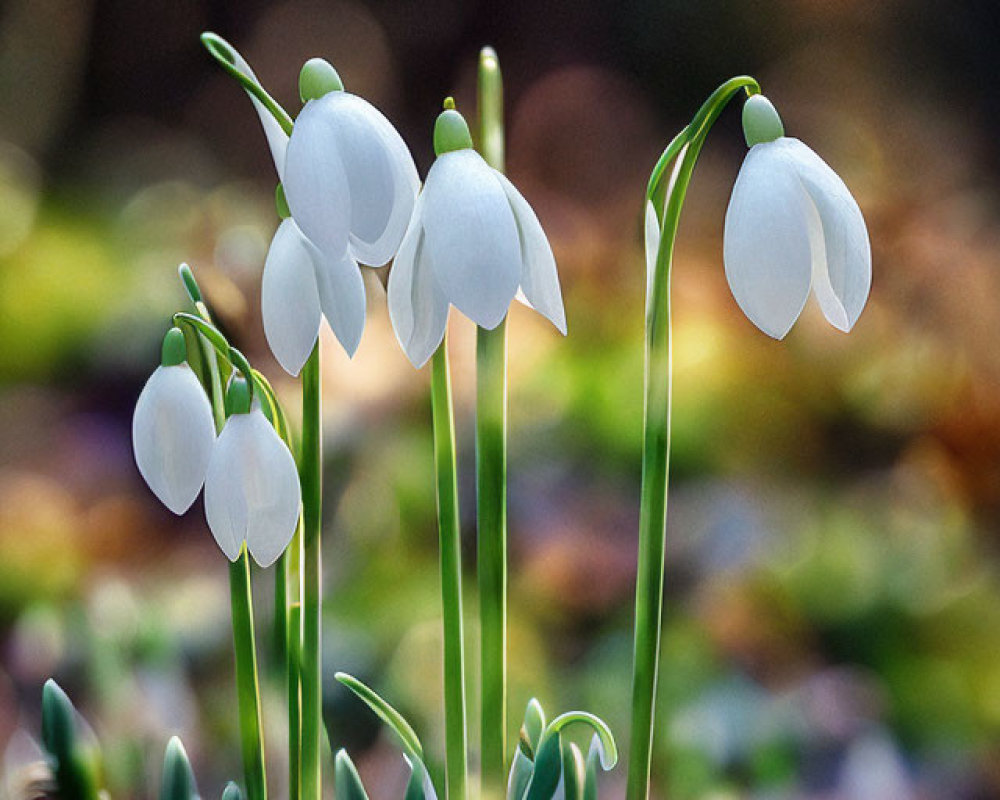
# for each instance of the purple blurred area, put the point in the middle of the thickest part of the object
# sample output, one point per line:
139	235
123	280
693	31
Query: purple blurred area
832	617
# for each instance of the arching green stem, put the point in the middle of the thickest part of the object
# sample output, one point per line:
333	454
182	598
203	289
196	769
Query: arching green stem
668	200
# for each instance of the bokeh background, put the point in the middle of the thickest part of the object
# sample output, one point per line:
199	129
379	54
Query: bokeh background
832	623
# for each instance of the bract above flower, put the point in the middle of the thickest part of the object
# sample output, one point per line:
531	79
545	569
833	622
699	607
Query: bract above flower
473	242
172	429
252	489
792	225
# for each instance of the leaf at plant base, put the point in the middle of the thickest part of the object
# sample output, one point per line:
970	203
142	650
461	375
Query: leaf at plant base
573	775
592	769
232	792
548	768
178	778
385	712
419	787
521	771
608	749
346	781
534	726
74	759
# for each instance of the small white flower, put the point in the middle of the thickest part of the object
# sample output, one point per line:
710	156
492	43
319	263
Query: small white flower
173	431
791	226
252	489
473	242
350	183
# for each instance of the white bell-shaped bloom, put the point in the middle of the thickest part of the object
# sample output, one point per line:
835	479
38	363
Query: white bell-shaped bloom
252	489
791	226
173	434
350	183
473	242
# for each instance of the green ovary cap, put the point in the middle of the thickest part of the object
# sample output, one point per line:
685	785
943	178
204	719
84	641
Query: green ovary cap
317	78
174	350
451	131
761	122
237	396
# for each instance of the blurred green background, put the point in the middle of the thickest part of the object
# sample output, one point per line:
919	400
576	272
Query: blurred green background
832	625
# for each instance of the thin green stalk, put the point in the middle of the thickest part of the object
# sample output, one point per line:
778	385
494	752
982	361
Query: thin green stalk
311	478
247	688
491	477
442	415
293	656
668	200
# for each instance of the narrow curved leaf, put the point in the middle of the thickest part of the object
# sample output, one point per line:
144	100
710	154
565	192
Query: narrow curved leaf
346	781
608	749
385	712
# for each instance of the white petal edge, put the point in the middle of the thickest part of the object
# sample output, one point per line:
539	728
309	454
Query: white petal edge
252	489
277	139
842	270
766	245
471	236
539	276
381	174
342	297
173	434
289	297
315	180
417	307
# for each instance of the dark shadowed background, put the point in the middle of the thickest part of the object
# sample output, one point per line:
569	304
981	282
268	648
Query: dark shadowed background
832	623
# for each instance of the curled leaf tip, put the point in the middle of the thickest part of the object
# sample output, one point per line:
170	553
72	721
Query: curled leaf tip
219	48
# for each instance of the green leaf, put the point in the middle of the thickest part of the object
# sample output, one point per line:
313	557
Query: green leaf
178	778
608	749
533	727
385	712
592	769
521	771
73	761
573	774
416	787
548	768
346	781
232	792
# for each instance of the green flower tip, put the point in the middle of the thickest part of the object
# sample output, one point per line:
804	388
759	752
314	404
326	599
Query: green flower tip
281	202
450	130
761	122
219	48
238	396
174	350
317	78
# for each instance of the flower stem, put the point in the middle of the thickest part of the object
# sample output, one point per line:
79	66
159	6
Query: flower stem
491	477
247	688
311	478
442	414
658	379
293	662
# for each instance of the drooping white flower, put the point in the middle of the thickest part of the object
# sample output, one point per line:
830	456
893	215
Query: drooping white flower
473	242
252	490
172	429
791	226
350	183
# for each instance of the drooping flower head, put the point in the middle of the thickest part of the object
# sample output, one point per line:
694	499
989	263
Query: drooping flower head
172	428
473	242
350	183
792	226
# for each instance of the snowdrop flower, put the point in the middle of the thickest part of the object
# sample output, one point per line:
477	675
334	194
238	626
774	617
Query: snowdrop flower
350	185
791	226
172	429
473	242
252	487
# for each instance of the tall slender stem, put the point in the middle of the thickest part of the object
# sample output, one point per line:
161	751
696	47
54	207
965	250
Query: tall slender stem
311	478
442	414
658	380
294	687
247	687
491	477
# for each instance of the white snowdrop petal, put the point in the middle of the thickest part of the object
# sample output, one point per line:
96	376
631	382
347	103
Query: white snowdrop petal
289	298
539	277
471	236
172	435
342	297
315	180
766	244
843	286
252	489
381	174
652	247
417	307
277	139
